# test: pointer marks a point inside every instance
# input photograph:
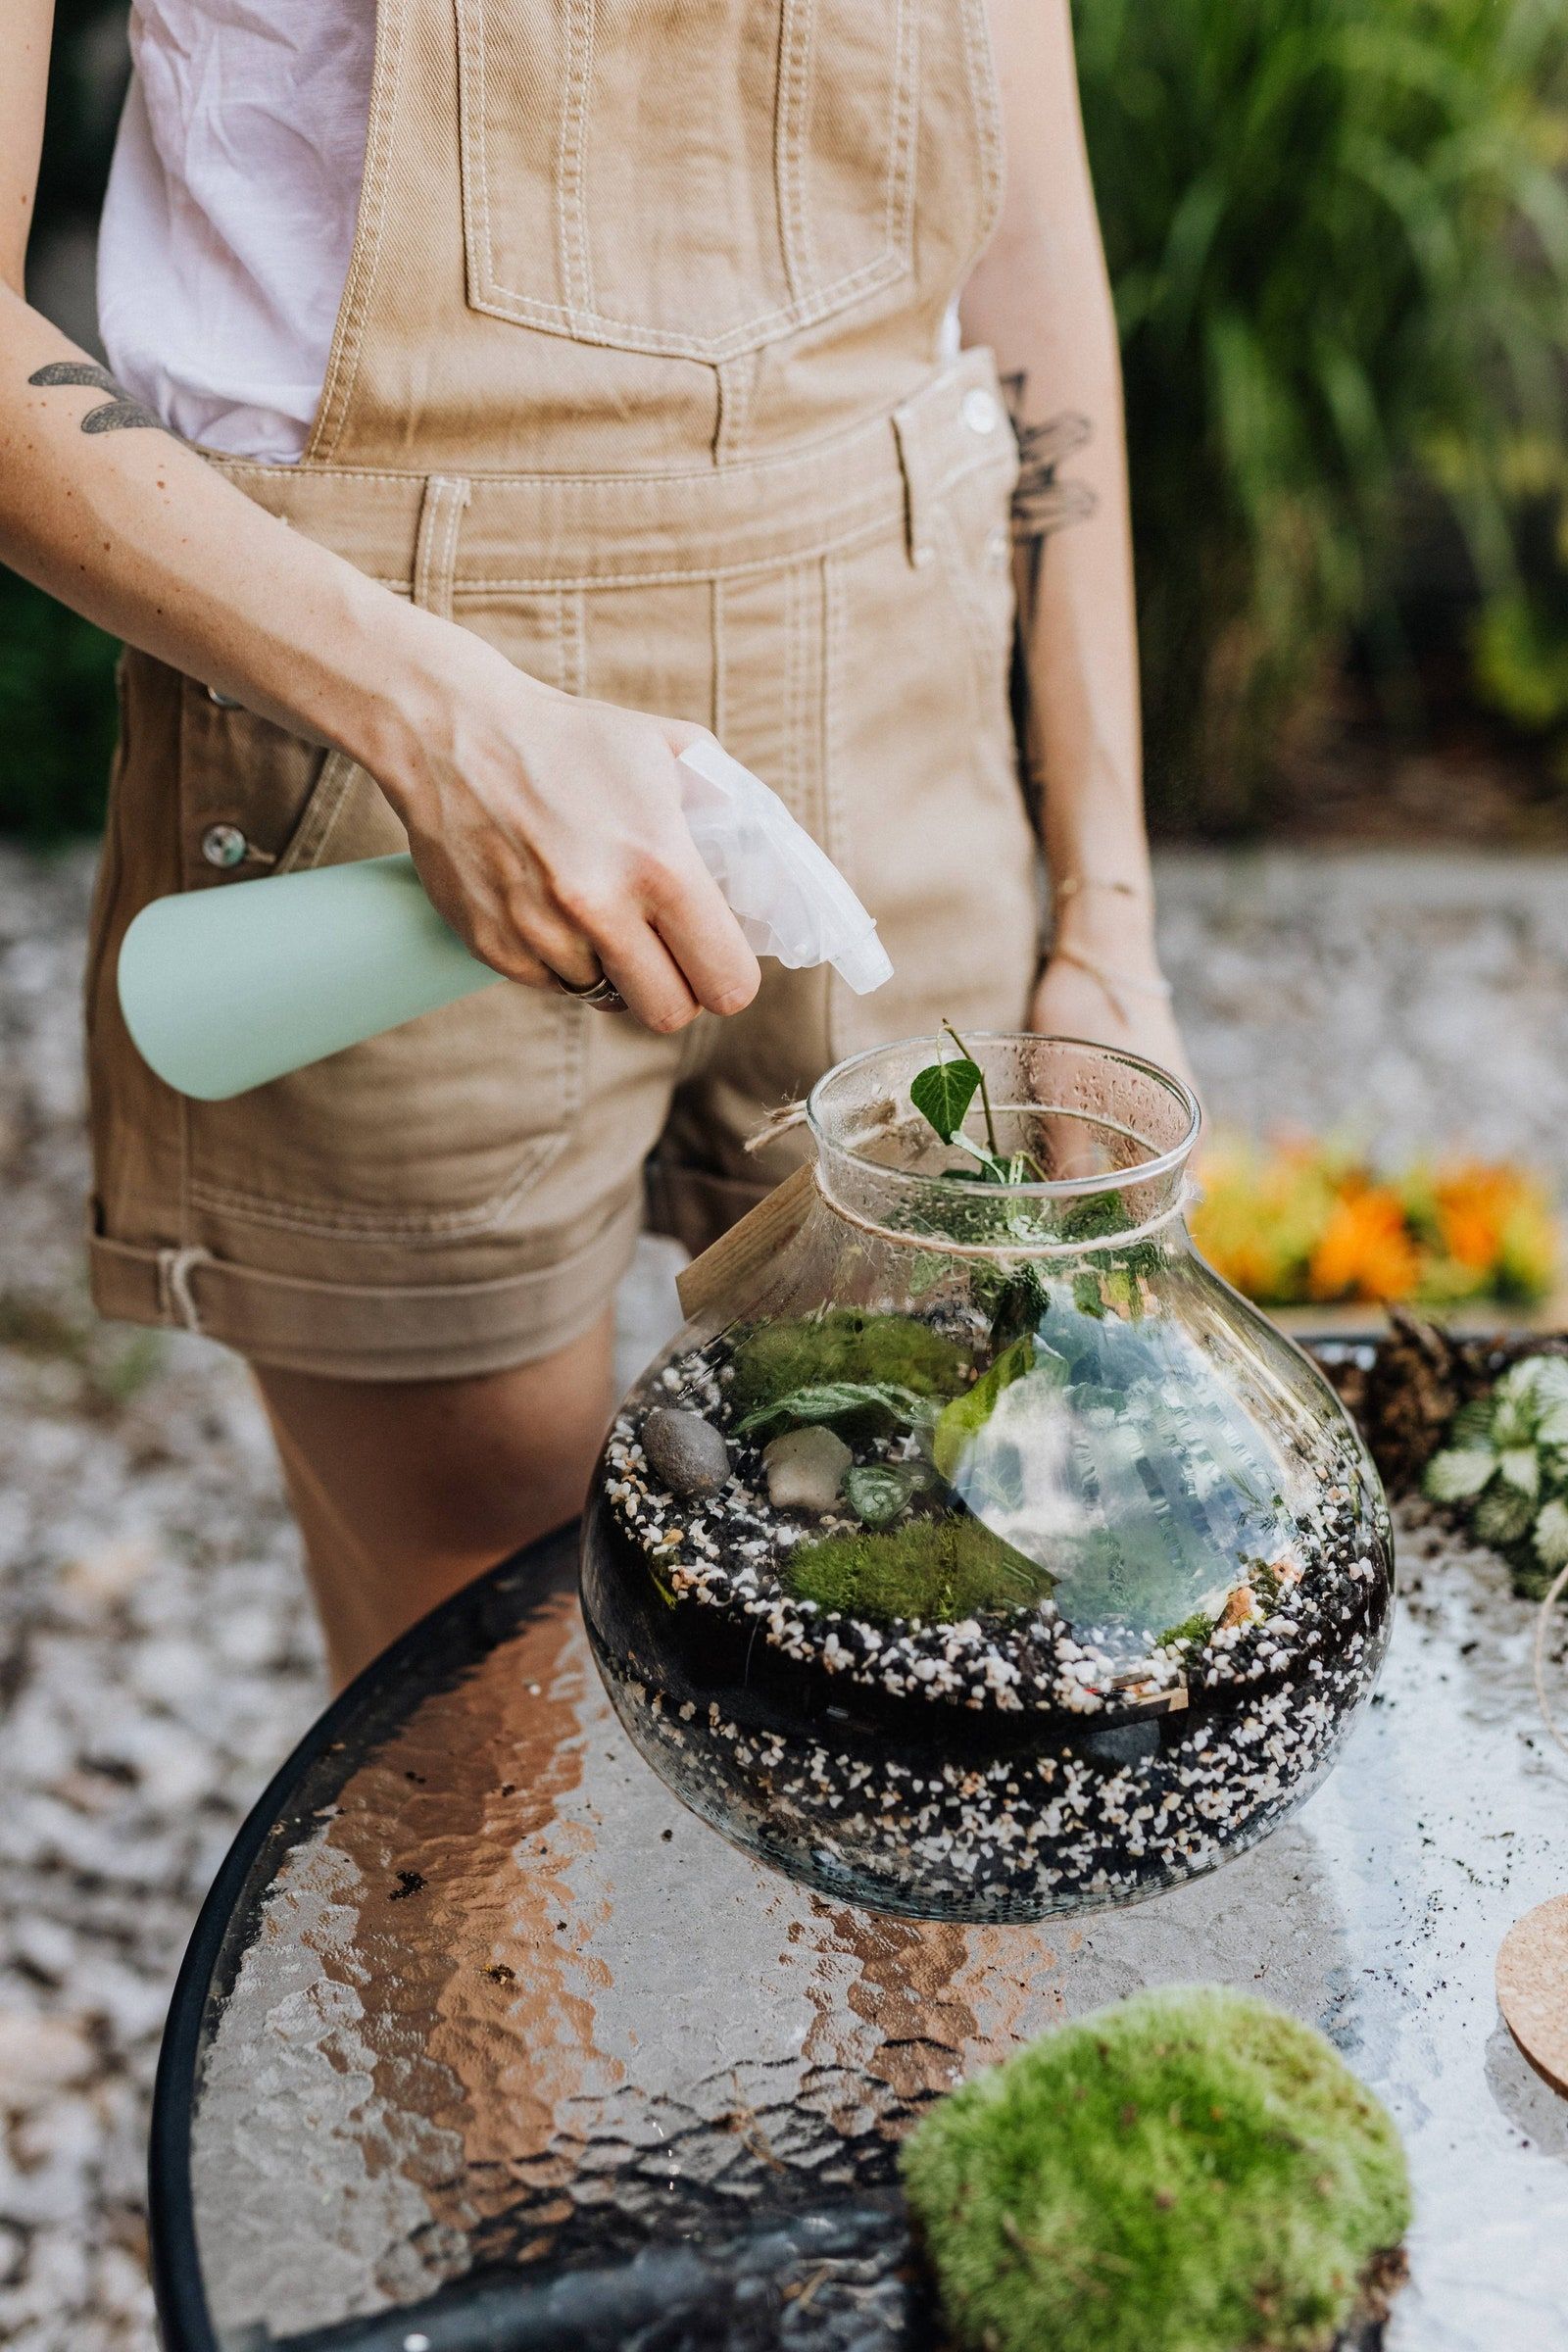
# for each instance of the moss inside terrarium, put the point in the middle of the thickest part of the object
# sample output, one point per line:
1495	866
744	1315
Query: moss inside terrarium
1189	2171
844	1346
939	1570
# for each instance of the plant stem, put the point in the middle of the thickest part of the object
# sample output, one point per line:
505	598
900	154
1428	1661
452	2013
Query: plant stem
985	1091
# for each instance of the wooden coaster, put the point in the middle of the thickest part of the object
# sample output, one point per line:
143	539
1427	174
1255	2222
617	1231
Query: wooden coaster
1532	1989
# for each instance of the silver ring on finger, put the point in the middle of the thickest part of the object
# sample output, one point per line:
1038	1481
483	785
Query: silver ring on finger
602	994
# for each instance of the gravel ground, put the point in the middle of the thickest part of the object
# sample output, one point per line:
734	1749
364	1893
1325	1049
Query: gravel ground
156	1658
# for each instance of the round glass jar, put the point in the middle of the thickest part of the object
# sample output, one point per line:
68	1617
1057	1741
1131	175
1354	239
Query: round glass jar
985	1555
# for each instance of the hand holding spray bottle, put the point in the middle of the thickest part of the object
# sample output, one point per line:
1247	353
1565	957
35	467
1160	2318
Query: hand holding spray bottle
224	988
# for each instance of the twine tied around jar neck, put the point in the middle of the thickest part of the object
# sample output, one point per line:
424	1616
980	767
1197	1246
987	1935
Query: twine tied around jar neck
788	1117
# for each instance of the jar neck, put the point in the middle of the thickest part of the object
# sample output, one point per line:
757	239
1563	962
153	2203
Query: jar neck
1101	1139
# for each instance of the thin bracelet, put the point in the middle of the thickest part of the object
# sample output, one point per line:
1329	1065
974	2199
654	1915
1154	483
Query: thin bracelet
1112	979
1070	885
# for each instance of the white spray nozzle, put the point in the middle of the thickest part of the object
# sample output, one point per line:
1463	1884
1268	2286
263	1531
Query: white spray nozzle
790	900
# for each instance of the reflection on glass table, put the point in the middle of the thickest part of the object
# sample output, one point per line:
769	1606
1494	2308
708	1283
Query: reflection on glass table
484	2041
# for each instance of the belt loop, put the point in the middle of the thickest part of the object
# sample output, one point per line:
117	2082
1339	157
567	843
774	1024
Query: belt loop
919	523
435	560
177	1301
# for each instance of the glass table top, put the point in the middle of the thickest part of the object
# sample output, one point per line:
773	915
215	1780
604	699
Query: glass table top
483	2040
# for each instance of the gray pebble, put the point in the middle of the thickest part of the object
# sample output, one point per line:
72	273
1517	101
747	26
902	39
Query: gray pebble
687	1453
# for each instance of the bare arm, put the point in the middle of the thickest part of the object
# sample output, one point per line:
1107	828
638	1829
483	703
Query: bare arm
1040	296
492	771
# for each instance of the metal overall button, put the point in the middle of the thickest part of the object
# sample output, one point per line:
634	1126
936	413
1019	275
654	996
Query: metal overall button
225	844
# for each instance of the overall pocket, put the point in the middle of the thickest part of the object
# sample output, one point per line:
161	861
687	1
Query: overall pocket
686	177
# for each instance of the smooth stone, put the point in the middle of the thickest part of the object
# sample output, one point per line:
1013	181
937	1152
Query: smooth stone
805	1469
685	1451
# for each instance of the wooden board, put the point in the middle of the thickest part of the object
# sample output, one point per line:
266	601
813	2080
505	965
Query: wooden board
730	1262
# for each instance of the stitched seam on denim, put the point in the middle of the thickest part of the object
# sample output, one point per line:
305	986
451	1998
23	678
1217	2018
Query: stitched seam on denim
572	203
720	720
970	369
348	336
371	1225
593	326
321	812
795	227
905	114
737	386
479	585
436	546
981	71
836	840
470	153
228	1273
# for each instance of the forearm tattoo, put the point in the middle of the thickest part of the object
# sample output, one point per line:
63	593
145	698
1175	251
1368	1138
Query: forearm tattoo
119	413
1043	504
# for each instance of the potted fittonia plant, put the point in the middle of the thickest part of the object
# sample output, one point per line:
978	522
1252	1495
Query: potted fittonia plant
1504	1468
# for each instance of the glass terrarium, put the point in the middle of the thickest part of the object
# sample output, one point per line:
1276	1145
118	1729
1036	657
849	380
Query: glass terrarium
980	1555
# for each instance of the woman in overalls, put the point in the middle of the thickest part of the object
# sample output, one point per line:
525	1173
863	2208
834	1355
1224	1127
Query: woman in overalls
487	378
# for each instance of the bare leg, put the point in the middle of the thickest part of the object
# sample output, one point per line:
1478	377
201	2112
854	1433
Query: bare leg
405	1491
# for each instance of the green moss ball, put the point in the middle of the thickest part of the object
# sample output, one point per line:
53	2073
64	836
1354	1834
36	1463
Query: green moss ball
1189	2171
939	1570
846	1343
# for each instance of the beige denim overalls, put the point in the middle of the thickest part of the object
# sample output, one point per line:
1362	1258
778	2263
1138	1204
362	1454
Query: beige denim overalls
638	373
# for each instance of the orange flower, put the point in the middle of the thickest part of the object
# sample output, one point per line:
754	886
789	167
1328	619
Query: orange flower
1473	1205
1366	1249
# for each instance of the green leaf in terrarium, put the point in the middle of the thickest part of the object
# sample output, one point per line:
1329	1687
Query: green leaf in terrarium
878	1491
943	1094
1552	1427
1457	1474
1192	1633
773	1360
1502	1515
1551	1534
832	1400
1022	1305
961	1421
1087	1296
1520	1467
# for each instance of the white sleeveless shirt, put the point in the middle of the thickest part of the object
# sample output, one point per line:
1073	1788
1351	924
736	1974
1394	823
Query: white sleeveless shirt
229	219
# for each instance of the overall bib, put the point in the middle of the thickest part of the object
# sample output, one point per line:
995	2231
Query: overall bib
638	373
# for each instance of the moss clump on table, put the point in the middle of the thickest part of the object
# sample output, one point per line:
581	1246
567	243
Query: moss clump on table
1187	2172
777	1360
941	1570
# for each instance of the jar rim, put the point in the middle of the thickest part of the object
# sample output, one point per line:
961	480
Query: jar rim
1056	1188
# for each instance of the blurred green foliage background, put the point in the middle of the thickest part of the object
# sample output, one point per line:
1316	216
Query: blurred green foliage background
1338	232
57	691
